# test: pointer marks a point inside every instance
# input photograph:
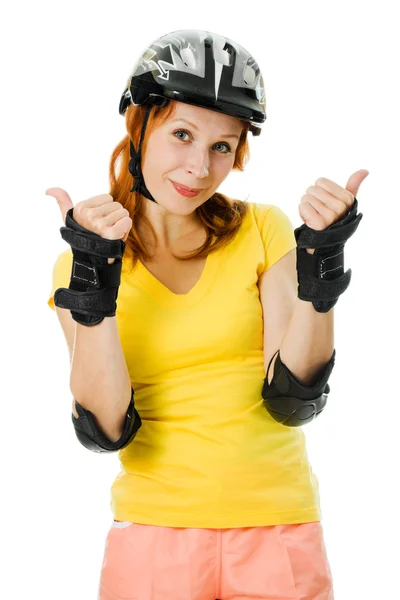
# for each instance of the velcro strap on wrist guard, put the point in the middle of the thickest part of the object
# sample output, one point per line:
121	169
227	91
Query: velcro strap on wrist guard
321	275
290	402
93	288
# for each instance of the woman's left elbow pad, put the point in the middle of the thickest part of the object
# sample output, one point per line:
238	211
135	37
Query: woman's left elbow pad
291	403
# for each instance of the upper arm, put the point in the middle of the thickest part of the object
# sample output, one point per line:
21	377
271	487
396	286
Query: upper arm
278	293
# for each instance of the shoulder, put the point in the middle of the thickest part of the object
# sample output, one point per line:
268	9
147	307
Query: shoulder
64	257
272	212
271	221
63	264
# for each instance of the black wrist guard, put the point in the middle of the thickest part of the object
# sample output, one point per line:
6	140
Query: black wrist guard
321	275
93	288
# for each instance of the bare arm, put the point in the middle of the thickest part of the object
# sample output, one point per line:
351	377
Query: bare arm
304	337
99	378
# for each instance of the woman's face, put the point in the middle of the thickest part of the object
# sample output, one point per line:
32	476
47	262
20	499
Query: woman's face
199	154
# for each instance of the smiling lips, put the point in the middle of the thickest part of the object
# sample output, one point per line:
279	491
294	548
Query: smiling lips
188	189
185	191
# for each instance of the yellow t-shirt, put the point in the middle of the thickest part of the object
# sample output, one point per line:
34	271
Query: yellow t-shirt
208	454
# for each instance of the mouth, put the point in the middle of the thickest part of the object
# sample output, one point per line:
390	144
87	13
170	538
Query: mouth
185	188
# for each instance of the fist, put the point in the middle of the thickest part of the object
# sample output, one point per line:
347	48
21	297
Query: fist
327	202
99	214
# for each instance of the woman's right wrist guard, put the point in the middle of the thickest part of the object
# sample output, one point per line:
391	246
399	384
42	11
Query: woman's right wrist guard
94	284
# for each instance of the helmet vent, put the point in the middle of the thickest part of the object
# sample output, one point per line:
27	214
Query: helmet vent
188	57
222	56
249	75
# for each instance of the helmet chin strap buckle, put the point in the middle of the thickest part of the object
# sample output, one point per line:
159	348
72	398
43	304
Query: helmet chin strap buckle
255	130
134	166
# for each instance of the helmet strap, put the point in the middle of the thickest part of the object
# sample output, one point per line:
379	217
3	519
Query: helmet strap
134	163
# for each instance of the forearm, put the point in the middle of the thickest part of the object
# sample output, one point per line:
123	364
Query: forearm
308	343
99	378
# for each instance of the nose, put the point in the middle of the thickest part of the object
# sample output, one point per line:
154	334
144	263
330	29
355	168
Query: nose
198	164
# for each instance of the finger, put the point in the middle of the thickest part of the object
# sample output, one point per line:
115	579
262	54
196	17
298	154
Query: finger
327	214
335	190
100	200
113	217
335	204
105	209
118	229
311	217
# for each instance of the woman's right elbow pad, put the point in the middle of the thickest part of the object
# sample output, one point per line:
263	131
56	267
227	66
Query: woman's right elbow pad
93	439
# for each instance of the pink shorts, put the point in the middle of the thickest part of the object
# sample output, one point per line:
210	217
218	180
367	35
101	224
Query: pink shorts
148	562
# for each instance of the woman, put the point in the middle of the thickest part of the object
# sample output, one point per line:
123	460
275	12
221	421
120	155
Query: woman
215	498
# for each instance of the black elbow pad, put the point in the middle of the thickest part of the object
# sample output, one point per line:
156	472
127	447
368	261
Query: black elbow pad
291	403
93	439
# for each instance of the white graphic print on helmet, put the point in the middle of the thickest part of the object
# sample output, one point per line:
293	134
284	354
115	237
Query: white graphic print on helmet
187	55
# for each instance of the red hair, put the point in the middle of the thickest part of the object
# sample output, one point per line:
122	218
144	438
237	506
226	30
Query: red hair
220	215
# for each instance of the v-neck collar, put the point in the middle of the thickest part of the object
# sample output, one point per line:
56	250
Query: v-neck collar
161	293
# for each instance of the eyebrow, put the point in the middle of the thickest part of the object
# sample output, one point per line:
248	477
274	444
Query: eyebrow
226	135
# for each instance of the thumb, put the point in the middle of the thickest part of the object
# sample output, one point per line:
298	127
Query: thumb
63	200
355	180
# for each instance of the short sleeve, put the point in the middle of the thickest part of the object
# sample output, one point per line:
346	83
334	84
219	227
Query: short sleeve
277	233
61	274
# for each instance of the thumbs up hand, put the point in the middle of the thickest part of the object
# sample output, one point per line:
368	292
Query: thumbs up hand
99	214
326	202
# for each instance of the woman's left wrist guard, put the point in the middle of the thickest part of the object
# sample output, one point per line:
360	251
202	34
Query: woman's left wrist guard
321	277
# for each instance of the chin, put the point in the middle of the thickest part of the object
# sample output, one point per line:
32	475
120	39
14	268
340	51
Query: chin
183	208
180	205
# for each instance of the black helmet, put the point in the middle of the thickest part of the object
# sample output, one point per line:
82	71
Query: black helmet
200	68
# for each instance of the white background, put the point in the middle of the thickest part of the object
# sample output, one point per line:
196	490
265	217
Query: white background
331	75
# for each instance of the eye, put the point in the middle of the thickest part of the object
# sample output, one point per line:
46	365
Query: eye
181	131
228	148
